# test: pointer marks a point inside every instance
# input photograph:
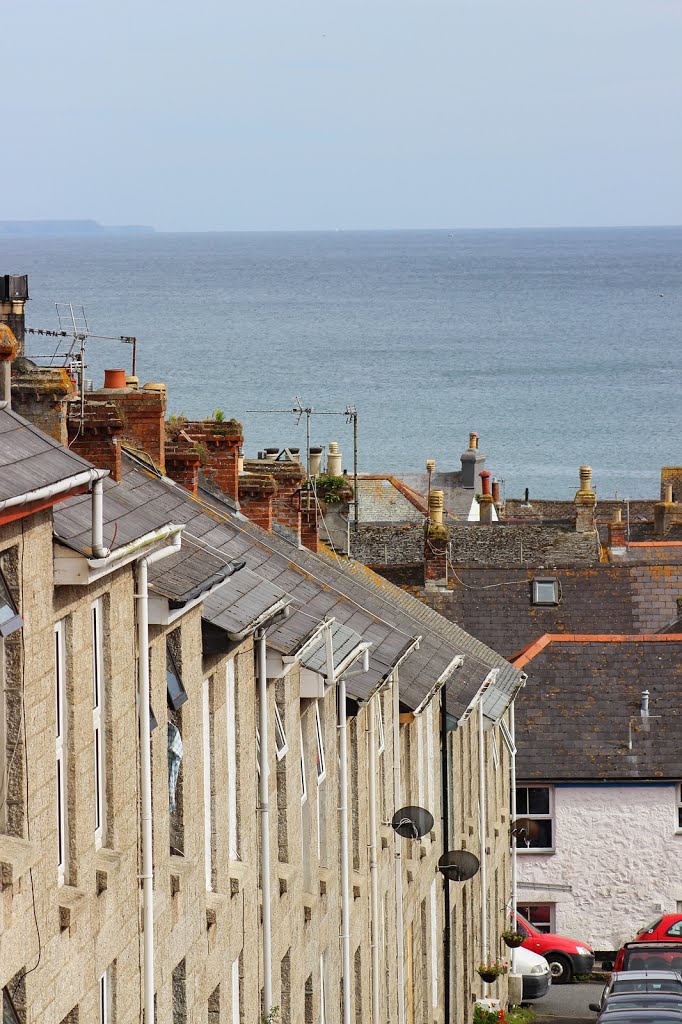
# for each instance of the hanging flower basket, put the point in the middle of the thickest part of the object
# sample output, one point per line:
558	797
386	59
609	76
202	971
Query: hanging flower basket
512	938
490	970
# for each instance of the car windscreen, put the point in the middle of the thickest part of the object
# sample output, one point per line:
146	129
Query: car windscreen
640	1000
667	959
646	1016
647	985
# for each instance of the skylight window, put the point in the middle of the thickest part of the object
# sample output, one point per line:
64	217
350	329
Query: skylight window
545	591
10	619
174	688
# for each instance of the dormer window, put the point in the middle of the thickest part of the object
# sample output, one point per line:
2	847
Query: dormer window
545	590
10	619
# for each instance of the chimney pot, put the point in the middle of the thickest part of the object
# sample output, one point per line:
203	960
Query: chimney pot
496	490
334	459
430	465
133	382
156	386
114	379
485	482
585	478
473	439
668	494
436	507
617	516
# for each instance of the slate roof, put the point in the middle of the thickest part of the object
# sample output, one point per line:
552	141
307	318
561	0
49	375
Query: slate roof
30	459
582	697
383	499
317	586
238	607
456	499
344	642
495	604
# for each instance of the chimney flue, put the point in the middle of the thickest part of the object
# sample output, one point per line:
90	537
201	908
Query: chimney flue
496	490
13	298
334	459
436	507
473	439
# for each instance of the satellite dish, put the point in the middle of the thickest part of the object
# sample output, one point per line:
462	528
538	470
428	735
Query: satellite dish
458	865
412	822
525	830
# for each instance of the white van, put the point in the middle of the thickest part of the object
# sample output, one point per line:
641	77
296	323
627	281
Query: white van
535	972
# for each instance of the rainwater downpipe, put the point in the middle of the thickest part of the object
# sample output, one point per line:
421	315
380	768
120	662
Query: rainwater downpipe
483	838
98	549
264	809
445	805
373	867
514	900
400	928
343	838
142	600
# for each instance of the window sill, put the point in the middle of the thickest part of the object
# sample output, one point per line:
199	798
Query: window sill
215	902
72	901
17	856
180	869
107	864
535	853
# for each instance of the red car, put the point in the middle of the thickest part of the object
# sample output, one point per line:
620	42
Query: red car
664	929
566	957
650	955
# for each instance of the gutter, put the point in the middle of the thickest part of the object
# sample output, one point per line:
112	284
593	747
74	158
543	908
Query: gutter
111	557
84	479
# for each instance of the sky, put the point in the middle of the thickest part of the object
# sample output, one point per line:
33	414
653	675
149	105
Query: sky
220	115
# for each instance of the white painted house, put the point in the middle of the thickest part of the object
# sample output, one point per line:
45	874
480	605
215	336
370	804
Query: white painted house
599	764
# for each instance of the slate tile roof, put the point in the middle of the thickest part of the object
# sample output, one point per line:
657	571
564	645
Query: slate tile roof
582	702
456	499
30	459
384	499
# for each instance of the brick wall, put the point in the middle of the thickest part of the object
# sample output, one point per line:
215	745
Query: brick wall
42	397
96	435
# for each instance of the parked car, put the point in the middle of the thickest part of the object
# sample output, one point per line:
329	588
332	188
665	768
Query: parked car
565	957
535	972
618	1001
650	1015
664	929
639	983
649	956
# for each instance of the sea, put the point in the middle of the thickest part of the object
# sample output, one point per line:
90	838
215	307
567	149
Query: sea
558	347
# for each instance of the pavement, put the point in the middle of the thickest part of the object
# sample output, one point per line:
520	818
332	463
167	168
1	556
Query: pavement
568	1004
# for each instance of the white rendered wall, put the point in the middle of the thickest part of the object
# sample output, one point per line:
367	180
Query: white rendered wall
617	849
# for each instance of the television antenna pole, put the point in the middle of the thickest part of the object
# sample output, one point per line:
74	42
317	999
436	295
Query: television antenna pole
351	415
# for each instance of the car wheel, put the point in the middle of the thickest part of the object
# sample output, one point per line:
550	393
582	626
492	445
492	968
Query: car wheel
560	968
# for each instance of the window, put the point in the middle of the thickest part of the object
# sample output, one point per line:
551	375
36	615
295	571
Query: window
381	740
540	915
98	696
206	755
323	987
60	750
174	688
106	997
9	1014
319	750
678	810
236	997
545	590
304	786
10	619
675	930
232	823
535	803
280	735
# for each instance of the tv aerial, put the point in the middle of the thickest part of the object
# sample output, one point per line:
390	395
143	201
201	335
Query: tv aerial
412	822
458	865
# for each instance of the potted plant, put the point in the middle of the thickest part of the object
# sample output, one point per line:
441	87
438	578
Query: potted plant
488	1015
490	969
512	938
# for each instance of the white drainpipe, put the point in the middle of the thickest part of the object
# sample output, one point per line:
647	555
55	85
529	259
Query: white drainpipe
97	544
373	868
264	807
513	818
142	599
400	928
483	837
343	814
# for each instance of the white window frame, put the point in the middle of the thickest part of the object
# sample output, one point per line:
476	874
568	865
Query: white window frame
523	904
232	823
61	751
319	741
236	1011
206	753
106	998
304	783
520	845
381	739
323	987
98	719
281	743
496	753
678	807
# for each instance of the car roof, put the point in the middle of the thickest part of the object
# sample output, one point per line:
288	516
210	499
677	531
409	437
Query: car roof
646	975
652	944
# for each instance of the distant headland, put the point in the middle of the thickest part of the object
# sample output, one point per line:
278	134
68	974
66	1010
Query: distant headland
32	228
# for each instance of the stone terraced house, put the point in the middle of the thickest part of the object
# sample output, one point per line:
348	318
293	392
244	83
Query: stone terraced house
172	725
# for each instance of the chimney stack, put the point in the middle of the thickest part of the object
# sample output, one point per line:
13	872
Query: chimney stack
585	501
485	501
13	298
41	394
473	463
8	353
142	412
667	512
436	544
617	532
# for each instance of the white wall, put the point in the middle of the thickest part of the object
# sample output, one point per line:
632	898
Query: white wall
617	848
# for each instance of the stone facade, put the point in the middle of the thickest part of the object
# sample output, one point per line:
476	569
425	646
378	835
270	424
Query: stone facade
633	827
207	932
